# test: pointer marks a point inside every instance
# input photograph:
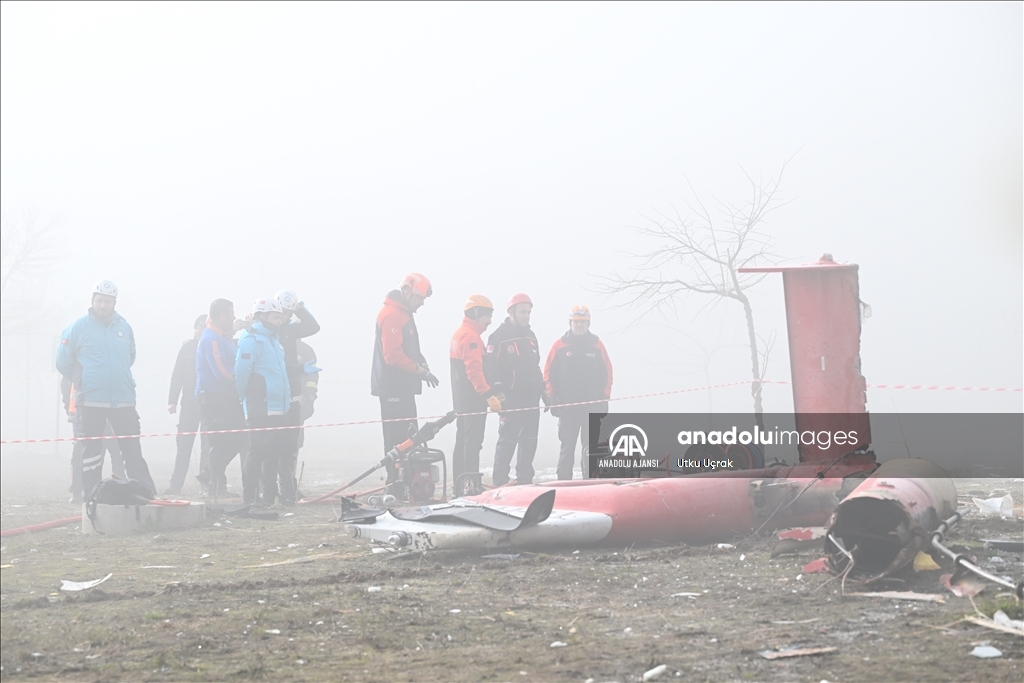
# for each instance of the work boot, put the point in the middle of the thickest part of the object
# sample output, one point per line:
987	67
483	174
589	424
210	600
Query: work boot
76	499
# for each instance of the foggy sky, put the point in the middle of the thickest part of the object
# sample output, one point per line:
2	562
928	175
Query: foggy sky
200	151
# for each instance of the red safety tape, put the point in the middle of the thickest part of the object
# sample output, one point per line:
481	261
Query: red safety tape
483	412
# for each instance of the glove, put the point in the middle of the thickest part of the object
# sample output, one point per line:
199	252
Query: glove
423	372
495	402
310	368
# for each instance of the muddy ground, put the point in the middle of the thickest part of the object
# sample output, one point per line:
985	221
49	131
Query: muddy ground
201	606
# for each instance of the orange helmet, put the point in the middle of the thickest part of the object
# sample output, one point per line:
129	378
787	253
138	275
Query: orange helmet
419	284
519	298
477	300
579	313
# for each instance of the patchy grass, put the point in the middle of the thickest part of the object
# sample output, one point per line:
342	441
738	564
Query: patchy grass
457	616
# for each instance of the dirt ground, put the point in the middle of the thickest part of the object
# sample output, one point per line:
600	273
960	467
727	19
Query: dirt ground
203	606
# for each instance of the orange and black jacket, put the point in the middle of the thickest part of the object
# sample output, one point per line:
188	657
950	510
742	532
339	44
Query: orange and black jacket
396	351
578	369
470	389
512	365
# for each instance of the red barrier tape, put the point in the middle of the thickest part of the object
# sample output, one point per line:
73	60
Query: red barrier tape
484	412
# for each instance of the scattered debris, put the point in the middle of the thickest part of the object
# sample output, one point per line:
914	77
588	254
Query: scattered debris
1002	618
559	643
685	595
373	589
726	546
66	585
995	506
901	595
501	556
158	566
796	652
787	622
986	652
272	631
997	625
651	674
925	563
817	566
1012	546
963	586
455	611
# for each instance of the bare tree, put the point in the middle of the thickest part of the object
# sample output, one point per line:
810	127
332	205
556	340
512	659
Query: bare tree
30	249
702	253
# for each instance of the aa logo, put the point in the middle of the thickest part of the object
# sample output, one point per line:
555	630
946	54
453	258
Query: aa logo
631	443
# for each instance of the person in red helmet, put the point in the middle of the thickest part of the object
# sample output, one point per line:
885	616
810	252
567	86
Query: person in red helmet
512	365
577	370
470	394
399	368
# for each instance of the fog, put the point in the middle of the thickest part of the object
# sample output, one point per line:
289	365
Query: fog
190	152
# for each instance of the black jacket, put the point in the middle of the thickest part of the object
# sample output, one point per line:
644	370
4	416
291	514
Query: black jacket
290	334
512	365
578	369
183	377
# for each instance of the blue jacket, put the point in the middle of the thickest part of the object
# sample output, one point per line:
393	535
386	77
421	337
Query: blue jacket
97	358
261	376
215	363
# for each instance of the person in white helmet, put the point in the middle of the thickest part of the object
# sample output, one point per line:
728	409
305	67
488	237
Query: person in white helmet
96	354
261	379
299	359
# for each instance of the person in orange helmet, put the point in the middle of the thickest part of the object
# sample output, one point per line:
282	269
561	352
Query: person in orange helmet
399	368
577	371
470	394
513	368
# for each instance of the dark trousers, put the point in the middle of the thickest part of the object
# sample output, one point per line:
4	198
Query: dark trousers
396	408
516	430
221	411
571	423
116	462
124	422
284	467
188	421
266	449
469	439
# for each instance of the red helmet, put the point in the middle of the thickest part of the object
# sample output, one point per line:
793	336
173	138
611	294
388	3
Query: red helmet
419	284
519	298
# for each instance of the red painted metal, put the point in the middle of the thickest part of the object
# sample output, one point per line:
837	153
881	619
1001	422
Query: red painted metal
694	508
889	517
823	311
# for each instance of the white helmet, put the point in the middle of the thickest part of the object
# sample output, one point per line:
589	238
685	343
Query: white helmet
266	305
105	287
288	299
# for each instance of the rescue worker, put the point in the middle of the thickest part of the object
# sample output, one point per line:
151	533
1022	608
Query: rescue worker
217	397
512	366
261	379
399	368
470	394
67	393
304	325
183	386
577	370
96	354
